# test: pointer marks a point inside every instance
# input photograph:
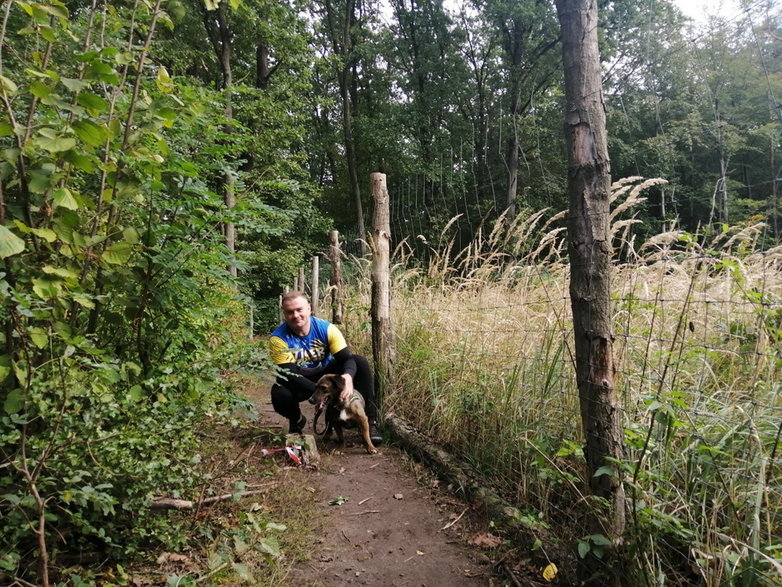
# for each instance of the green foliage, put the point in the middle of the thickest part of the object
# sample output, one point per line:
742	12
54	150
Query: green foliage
119	314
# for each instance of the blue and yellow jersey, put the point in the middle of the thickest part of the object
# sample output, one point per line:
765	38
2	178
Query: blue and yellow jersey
311	353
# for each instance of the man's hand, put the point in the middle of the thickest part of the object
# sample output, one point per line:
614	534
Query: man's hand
347	391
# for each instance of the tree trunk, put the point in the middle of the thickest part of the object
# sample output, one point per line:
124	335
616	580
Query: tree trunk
350	156
340	30
515	47
589	248
219	33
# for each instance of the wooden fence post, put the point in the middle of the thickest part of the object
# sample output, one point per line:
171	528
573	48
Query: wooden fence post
335	258
315	289
382	342
589	248
301	283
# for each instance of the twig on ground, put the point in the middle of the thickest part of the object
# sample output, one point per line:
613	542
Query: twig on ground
212	572
510	575
363	501
168	503
452	522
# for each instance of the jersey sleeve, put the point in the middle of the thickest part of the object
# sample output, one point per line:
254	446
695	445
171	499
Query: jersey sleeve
279	351
336	340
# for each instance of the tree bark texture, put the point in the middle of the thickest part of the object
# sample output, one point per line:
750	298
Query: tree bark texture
382	343
589	247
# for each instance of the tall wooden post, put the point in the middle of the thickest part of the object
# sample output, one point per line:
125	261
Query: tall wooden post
382	342
301	283
335	258
589	246
315	285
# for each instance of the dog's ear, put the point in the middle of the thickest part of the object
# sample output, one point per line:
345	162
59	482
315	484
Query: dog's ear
339	382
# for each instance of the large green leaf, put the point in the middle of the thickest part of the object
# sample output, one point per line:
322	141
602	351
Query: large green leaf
74	85
91	133
6	130
163	81
47	287
7	84
60	272
39	337
13	402
10	244
118	253
49	140
79	161
63	198
93	103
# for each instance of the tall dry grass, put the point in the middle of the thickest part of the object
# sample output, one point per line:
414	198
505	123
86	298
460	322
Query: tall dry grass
485	366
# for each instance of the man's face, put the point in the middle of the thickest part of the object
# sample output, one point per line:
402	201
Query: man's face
297	314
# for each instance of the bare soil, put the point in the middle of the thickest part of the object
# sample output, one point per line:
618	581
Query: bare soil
384	520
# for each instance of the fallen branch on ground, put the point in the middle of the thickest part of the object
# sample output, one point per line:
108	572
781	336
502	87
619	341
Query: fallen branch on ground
170	503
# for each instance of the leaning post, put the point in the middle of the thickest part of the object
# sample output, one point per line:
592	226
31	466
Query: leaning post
382	342
335	258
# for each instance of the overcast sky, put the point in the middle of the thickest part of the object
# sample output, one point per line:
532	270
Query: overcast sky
700	10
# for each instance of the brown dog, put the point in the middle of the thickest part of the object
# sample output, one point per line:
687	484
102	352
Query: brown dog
341	414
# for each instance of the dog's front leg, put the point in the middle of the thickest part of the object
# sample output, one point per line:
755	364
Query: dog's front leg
363	423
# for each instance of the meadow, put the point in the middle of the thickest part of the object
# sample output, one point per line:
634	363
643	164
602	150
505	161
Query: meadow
485	366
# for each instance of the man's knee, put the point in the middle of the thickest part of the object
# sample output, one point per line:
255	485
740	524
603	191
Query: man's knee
282	399
362	365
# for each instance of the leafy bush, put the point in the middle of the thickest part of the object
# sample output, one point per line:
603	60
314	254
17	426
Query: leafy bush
119	316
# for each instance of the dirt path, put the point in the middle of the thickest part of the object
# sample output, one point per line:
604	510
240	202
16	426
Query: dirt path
381	526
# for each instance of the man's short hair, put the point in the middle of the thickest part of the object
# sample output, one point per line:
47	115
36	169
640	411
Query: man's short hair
292	295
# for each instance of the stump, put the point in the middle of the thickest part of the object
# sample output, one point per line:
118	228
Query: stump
310	457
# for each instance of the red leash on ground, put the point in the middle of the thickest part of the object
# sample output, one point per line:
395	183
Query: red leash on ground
290	449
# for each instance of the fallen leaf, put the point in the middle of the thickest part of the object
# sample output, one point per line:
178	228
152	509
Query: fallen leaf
419	553
171	557
485	540
398	496
550	572
338	500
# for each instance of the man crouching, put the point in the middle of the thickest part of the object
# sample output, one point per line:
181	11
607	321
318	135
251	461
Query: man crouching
306	347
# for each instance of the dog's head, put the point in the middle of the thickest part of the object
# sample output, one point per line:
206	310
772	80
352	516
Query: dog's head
327	390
